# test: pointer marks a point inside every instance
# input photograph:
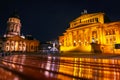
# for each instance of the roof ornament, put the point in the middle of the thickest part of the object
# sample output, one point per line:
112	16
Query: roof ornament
22	36
84	11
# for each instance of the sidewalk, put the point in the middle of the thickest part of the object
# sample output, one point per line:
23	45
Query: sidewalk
88	55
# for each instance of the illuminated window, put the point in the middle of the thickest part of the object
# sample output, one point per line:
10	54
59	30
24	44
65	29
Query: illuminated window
96	19
93	40
80	20
7	49
12	44
110	32
7	44
85	43
114	38
111	40
90	20
19	44
106	40
32	47
113	32
23	45
79	42
94	34
74	43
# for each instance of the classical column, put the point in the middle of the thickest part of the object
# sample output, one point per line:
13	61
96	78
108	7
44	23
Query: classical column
83	37
13	27
77	39
98	35
14	46
71	38
117	35
65	39
67	36
103	36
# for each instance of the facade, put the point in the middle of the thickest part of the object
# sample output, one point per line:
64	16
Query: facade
19	44
13	41
92	32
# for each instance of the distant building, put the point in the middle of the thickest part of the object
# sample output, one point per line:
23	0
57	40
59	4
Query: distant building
45	47
13	40
92	32
49	46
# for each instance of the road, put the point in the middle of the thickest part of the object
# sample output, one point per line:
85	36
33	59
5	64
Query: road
60	67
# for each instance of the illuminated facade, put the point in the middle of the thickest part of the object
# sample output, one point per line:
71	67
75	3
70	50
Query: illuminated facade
14	42
91	32
13	26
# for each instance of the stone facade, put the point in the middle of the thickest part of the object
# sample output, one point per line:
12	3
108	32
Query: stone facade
91	32
18	44
13	41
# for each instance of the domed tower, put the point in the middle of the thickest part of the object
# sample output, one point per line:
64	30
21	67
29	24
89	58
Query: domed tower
13	26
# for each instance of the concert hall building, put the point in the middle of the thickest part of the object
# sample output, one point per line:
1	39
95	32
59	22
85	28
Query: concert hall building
91	32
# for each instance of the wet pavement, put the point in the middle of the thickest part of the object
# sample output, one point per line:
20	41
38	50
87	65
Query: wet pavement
6	74
62	67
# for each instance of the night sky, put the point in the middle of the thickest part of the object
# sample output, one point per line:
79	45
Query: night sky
48	19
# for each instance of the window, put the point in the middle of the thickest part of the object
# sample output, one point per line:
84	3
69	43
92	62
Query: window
113	32
32	47
7	44
96	19
93	20
80	20
111	40
114	38
94	34
106	40
90	20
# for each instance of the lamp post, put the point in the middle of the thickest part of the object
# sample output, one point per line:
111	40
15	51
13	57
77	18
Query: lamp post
74	43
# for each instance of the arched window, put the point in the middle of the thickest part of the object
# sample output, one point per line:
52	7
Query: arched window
32	47
7	43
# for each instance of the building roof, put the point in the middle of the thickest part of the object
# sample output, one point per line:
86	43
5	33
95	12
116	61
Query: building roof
86	15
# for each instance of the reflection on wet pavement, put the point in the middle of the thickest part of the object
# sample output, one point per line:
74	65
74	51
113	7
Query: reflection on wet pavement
7	75
41	67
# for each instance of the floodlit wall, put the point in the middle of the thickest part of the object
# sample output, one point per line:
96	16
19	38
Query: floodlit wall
88	29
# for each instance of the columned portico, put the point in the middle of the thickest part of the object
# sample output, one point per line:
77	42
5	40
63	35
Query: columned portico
91	28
